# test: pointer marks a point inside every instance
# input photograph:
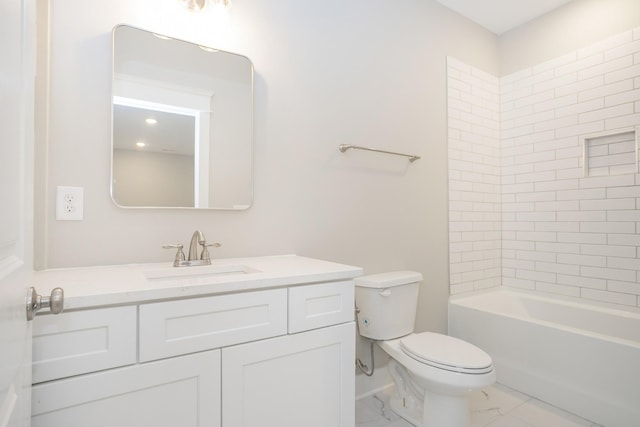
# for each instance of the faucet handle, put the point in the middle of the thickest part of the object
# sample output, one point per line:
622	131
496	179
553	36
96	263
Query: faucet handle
205	252
179	255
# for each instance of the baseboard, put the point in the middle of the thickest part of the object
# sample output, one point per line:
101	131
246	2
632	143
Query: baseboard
368	386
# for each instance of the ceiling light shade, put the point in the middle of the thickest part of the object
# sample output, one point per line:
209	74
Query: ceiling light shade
201	4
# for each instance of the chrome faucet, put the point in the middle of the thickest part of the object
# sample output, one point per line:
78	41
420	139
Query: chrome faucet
193	259
196	239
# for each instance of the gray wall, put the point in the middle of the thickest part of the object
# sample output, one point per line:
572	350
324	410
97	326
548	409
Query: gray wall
326	73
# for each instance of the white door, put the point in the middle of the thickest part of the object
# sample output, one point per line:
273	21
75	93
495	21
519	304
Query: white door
17	65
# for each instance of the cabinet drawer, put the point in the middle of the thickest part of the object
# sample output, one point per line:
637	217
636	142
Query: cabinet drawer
317	306
179	327
83	341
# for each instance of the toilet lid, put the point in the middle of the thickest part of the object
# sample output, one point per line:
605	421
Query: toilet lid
445	352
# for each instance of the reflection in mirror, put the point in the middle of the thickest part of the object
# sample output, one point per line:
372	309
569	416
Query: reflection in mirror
182	124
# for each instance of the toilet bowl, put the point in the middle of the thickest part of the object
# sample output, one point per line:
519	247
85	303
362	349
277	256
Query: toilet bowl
436	388
433	373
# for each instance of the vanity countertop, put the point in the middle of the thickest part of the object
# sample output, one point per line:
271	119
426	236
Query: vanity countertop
88	287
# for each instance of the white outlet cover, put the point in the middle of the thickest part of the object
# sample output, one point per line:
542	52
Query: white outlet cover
69	203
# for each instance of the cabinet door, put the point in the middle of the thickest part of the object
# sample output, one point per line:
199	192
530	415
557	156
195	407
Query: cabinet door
305	379
183	391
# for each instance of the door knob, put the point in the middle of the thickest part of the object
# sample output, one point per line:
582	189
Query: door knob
35	302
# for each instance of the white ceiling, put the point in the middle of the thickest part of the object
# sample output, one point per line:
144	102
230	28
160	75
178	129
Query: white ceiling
499	16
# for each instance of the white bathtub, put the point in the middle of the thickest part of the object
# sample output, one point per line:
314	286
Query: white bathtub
581	357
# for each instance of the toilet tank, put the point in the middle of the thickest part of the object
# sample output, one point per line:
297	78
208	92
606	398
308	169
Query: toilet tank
387	304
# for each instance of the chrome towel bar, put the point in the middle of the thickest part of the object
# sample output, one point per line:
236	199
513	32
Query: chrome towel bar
345	147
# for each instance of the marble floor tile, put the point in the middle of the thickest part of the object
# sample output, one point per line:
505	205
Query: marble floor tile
492	403
509	421
540	414
495	406
374	411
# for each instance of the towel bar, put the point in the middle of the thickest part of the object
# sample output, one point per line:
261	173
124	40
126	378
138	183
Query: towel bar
345	147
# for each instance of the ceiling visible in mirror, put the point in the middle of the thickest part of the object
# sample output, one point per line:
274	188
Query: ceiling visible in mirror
167	133
500	16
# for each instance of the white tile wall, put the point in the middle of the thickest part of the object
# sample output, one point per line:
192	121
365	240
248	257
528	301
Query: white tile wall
474	178
559	230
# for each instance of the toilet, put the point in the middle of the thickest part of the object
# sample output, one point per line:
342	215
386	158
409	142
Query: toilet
433	373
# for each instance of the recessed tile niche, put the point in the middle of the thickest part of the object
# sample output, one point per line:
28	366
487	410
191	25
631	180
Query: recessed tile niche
611	153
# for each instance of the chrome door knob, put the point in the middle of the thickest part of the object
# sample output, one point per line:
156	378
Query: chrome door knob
35	302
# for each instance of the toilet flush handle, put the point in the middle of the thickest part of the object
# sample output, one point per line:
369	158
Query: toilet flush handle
385	293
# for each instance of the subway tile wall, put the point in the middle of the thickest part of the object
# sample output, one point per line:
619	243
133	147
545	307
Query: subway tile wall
474	178
567	226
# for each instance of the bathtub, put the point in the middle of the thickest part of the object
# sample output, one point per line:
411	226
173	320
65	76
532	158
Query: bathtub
581	357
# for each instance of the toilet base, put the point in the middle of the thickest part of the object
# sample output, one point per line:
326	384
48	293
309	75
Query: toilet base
450	411
443	410
410	414
424	408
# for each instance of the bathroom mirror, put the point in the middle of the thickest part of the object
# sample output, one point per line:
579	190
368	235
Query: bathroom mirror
182	115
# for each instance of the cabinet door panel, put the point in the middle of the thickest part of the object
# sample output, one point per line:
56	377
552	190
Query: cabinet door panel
317	306
183	391
297	380
83	341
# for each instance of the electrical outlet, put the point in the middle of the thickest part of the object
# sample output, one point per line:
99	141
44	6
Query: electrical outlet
69	203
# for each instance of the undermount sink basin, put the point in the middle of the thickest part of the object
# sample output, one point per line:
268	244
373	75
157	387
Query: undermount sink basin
199	271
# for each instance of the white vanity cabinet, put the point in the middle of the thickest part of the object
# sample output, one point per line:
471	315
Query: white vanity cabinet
276	357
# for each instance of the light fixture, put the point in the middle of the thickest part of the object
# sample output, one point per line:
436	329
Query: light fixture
201	4
140	144
208	49
151	121
161	37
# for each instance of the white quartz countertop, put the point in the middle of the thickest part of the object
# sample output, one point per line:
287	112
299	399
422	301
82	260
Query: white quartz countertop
88	287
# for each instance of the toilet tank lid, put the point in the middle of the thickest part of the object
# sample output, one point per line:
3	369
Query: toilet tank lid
387	280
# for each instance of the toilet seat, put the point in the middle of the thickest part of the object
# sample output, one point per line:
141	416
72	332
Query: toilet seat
445	352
